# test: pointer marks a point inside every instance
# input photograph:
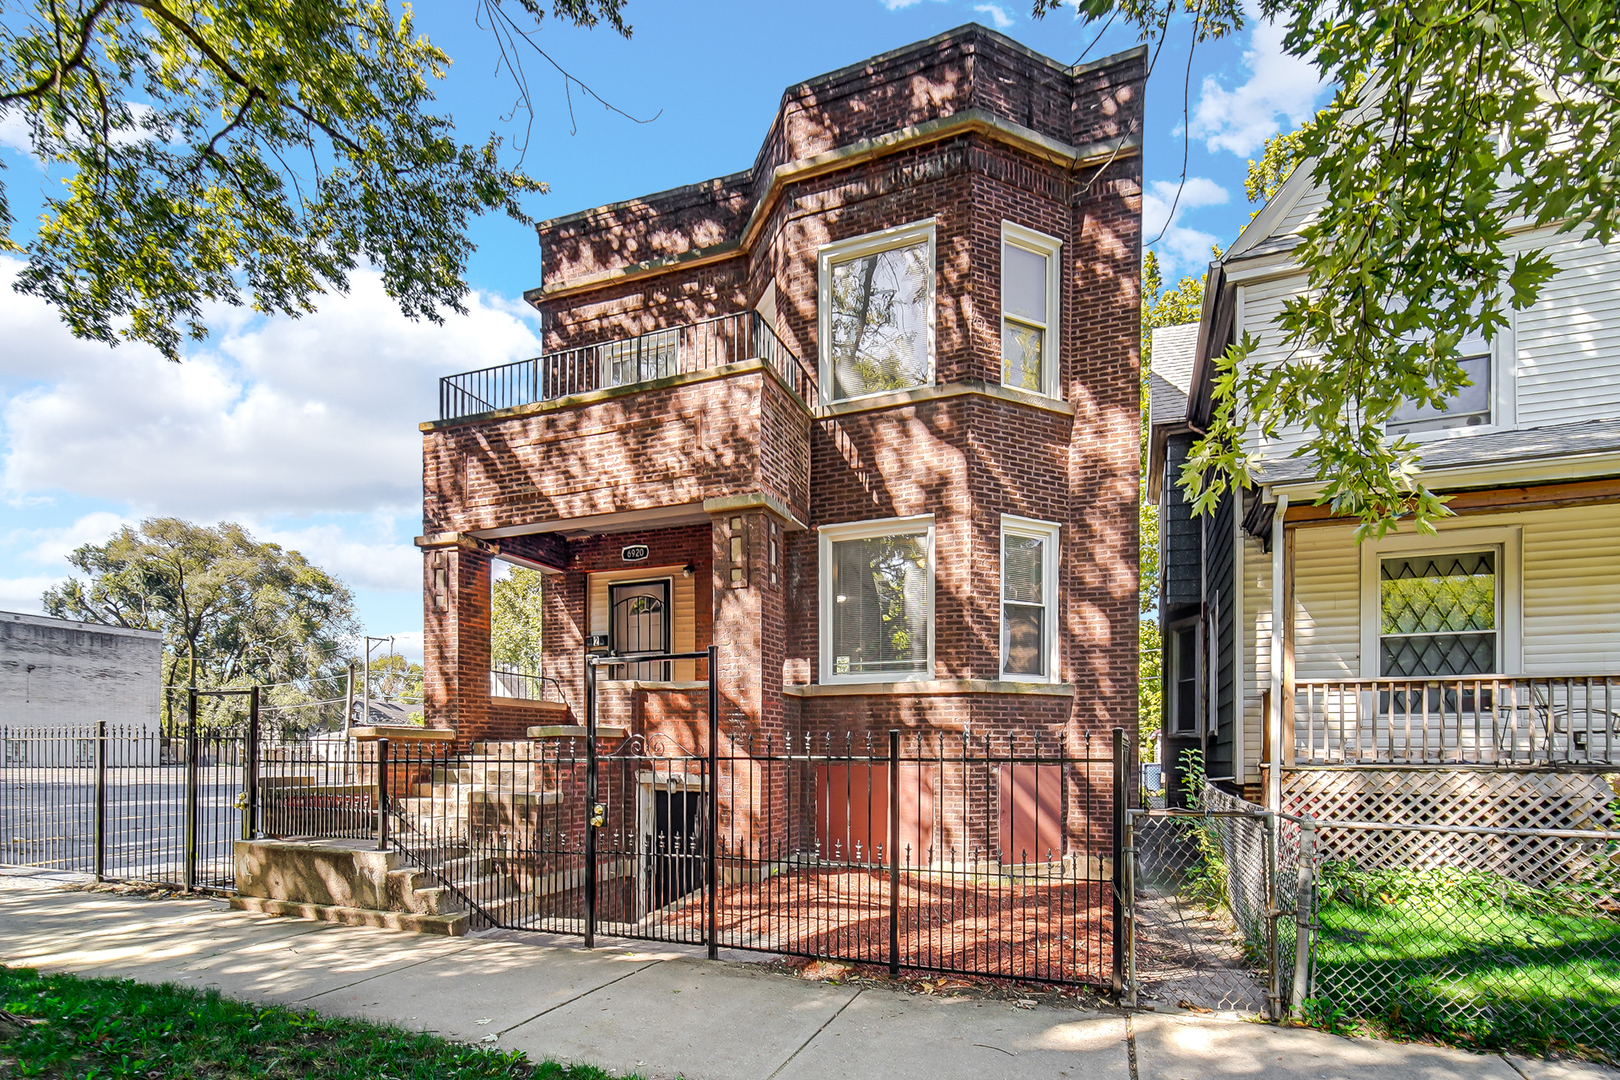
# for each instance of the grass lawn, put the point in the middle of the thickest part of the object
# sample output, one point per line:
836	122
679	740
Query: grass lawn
1475	973
94	1028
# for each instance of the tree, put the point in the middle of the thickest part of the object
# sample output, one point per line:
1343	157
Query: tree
393	678
515	621
252	151
1454	122
1278	157
1177	307
233	611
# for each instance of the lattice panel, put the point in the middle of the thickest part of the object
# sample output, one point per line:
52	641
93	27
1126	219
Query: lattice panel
1502	799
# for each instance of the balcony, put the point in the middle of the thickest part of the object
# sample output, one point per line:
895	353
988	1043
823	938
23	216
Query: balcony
1479	720
651	431
647	358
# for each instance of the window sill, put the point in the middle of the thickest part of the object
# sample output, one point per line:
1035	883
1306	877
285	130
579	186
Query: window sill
648	684
930	687
917	395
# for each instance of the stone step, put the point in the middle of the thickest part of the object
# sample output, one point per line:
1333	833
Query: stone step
417	891
453	925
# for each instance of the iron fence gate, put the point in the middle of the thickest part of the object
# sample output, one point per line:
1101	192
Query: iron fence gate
929	850
157	804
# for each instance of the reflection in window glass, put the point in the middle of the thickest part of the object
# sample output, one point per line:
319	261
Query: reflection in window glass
882	617
880	321
1437	615
1470	406
1024	317
1023	609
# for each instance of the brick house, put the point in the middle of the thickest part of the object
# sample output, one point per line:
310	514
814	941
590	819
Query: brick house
863	415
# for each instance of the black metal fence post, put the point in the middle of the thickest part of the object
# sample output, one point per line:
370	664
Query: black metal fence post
250	771
382	794
101	801
1121	801
190	879
710	844
592	816
894	852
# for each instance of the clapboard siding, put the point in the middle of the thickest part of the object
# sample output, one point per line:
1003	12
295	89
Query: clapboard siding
1571	591
1327	604
683	597
1256	650
1219	530
1565	348
1568	342
1178	532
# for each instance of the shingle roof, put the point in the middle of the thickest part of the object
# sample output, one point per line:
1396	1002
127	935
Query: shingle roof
1174	350
1496	448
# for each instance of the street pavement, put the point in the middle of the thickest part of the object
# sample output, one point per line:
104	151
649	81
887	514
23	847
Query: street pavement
666	1012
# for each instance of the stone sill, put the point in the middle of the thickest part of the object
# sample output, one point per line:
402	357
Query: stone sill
528	703
401	733
638	684
931	687
577	731
917	395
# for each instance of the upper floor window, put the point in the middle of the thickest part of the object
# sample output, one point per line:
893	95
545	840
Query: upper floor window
1030	309
1029	563
1470	406
877	312
877	600
1438	614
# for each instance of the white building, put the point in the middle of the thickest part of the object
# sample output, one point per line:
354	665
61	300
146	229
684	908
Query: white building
58	674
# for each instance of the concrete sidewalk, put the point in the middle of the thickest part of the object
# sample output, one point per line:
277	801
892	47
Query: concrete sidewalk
665	1013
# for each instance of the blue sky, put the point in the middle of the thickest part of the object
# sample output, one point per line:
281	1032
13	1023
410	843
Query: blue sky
305	430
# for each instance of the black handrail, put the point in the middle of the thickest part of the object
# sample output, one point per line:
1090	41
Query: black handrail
677	350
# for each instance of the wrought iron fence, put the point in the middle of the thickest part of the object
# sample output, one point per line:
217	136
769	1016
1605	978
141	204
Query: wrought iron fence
678	350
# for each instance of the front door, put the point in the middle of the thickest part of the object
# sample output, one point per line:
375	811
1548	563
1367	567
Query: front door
639	623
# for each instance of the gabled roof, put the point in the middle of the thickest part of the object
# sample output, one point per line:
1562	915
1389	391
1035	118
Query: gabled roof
1174	348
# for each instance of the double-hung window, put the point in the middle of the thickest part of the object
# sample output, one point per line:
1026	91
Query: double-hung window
877	600
1029	572
1181	678
1030	309
876	312
1470	406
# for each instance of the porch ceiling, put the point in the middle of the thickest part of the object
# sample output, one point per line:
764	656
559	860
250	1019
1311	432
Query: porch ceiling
661	517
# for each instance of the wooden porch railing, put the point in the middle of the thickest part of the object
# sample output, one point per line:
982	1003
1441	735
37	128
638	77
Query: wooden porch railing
1478	719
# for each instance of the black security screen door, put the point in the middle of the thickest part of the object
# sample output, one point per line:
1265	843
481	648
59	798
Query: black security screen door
676	866
639	623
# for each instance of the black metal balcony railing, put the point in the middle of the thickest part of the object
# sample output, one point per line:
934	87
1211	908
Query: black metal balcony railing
679	350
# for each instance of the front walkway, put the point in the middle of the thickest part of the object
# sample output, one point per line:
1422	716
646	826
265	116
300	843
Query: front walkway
666	1013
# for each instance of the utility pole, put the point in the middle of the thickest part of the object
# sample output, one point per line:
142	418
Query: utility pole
365	691
348	702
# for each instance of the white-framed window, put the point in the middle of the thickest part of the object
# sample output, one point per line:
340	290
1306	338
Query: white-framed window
1029	577
1437	607
877	600
1031	309
876	312
1181	676
1487	402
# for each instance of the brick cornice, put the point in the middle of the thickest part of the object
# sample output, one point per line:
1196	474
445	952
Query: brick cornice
967	122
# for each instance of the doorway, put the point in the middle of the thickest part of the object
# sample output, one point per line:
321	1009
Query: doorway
674	851
638	622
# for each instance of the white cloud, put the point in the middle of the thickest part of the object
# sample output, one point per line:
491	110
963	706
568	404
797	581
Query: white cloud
368	557
52	546
23	593
14	131
279	416
1181	249
997	15
1279	85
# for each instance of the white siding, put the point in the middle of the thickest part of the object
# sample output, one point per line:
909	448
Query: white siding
1256	651
1564	350
1572	591
1327	604
1569	594
683	599
1569	340
1302	211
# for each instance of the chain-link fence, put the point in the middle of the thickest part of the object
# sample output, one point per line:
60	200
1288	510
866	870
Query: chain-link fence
1480	936
1214	904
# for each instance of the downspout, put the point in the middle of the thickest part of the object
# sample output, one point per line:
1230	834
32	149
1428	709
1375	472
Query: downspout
1278	568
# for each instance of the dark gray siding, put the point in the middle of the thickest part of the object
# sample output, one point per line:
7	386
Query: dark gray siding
1178	531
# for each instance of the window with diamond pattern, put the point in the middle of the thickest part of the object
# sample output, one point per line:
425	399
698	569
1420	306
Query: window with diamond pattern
1438	615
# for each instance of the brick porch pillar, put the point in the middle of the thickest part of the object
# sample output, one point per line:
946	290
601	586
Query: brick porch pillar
455	649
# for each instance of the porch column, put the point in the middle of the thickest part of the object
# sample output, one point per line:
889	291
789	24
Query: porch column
1279	612
455	647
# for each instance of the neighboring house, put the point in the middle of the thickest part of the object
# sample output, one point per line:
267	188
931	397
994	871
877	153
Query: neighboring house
863	416
56	674
1317	671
